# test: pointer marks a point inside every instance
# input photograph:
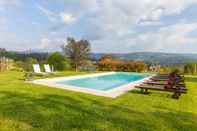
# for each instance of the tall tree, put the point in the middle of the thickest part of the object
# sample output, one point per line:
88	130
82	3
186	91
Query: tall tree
77	51
2	52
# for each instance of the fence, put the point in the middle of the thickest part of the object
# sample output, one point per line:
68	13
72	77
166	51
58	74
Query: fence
5	64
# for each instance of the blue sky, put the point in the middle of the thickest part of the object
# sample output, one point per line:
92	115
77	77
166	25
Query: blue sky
112	26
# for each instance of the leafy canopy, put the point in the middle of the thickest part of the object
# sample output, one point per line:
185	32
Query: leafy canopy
57	60
77	51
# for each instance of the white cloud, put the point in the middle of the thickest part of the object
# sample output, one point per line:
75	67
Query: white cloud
9	2
11	41
110	17
150	23
173	38
56	17
117	15
3	21
67	18
5	4
51	15
168	39
112	23
50	44
153	16
45	43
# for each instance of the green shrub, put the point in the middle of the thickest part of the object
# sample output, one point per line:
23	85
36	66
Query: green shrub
190	68
27	65
58	61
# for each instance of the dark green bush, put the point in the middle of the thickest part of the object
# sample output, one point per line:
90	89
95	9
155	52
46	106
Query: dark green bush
58	61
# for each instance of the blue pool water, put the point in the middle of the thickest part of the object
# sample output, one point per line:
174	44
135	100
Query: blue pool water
104	82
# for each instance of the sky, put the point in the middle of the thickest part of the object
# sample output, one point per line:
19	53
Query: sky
111	26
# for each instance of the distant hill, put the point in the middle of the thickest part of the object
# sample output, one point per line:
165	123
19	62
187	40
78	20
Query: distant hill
153	57
40	56
148	57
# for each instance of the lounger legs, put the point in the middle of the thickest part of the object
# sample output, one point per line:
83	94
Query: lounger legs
145	91
142	90
176	95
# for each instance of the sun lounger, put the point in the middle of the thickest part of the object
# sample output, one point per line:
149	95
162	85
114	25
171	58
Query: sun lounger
162	83
176	91
169	85
181	79
47	68
162	80
154	81
167	76
37	70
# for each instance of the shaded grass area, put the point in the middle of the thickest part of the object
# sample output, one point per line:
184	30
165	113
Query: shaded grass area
190	78
32	107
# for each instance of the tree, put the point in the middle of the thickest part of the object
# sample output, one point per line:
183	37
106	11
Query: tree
27	64
77	51
190	68
58	61
2	52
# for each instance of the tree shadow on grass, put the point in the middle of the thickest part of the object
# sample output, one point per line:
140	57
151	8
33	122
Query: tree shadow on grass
191	79
153	93
57	112
139	92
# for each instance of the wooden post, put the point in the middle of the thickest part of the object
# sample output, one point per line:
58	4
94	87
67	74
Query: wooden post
5	64
0	64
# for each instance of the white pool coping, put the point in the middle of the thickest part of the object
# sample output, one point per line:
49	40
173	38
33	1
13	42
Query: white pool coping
113	93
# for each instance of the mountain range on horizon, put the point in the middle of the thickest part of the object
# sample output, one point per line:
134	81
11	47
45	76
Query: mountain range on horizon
153	57
148	57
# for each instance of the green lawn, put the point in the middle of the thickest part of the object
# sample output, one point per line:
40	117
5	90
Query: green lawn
27	107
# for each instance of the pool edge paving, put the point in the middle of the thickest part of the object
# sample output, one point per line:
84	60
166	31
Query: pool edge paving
113	93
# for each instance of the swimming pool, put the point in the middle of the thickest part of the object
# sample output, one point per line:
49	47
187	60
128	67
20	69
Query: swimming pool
104	82
110	84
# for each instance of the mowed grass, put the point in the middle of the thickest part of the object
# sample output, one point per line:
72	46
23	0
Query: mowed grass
28	107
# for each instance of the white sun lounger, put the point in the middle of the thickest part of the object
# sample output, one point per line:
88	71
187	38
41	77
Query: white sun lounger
36	69
47	68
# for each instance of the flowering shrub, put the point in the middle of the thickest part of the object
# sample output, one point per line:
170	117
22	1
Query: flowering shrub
120	65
